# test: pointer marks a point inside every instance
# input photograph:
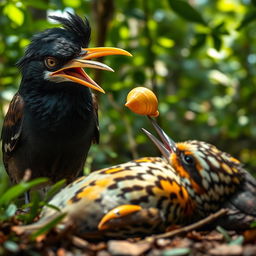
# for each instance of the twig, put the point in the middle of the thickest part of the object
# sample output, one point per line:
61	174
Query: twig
191	227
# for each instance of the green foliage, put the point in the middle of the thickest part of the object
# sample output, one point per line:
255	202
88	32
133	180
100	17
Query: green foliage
248	18
225	234
19	190
9	199
236	241
176	252
185	10
54	189
45	228
197	56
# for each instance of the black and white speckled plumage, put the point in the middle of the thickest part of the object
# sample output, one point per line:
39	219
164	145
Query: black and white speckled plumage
169	192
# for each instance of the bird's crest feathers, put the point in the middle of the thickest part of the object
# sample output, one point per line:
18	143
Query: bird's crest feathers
77	26
76	31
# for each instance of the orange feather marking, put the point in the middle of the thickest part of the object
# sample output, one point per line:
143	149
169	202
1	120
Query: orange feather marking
113	170
93	192
234	160
144	159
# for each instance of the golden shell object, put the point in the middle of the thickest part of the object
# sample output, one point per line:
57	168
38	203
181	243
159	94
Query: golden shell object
142	101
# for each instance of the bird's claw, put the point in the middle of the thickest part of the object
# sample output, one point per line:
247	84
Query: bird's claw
117	212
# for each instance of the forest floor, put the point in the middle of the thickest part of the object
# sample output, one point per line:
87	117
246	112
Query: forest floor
180	241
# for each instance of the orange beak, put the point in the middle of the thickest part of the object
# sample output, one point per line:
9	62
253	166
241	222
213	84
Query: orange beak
73	70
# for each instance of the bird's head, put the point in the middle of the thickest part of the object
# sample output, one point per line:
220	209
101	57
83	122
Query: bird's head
59	55
212	174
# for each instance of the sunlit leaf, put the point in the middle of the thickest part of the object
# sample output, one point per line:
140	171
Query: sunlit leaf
166	42
24	42
14	14
72	3
186	11
124	32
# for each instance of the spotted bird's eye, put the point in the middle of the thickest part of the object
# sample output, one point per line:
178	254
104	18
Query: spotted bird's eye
50	62
188	159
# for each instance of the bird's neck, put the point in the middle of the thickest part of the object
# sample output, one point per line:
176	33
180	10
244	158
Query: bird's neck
58	103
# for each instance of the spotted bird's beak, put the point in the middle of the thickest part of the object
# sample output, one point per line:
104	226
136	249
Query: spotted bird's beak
167	146
73	70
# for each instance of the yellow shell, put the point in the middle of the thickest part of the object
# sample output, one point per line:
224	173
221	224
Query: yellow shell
142	101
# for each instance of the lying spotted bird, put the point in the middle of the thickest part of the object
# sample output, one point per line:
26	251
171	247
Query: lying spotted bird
52	119
148	195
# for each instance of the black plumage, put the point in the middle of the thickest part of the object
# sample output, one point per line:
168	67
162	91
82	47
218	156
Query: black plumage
52	120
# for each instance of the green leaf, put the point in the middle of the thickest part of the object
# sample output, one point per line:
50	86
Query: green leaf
11	246
238	241
224	233
48	226
14	14
200	40
52	207
19	190
72	3
37	4
166	42
11	210
4	183
216	42
54	189
186	11
253	225
176	252
248	18
35	205
220	29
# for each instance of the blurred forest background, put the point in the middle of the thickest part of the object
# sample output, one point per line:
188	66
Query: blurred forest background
198	56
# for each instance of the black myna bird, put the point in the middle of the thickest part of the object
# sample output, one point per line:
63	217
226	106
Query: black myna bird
52	119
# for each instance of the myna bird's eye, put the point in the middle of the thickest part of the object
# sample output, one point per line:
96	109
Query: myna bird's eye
50	62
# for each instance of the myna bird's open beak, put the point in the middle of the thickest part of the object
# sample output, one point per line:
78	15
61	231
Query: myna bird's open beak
167	146
167	141
165	152
73	70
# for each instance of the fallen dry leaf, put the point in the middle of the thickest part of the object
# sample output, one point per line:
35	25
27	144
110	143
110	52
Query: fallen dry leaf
121	247
226	250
